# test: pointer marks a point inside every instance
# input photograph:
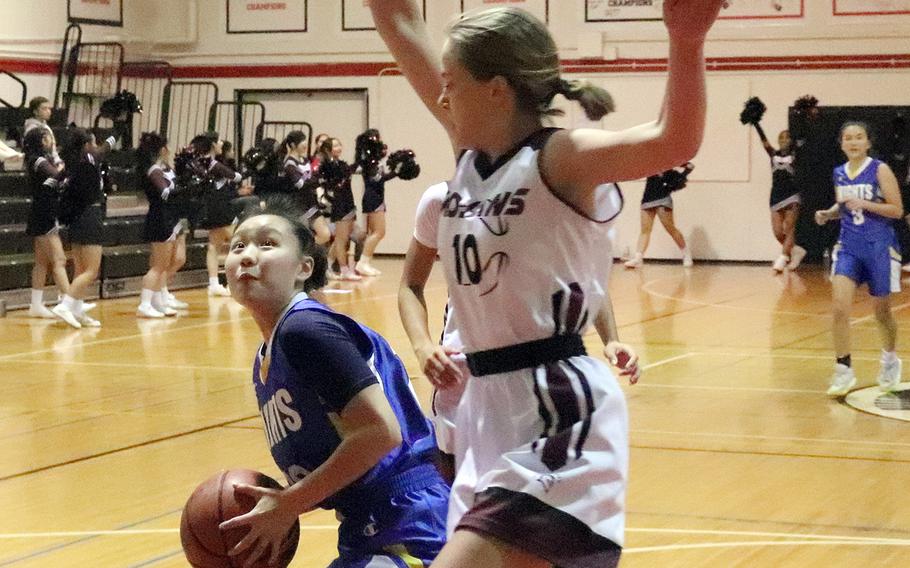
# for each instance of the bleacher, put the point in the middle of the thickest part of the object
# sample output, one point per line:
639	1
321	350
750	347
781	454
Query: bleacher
88	74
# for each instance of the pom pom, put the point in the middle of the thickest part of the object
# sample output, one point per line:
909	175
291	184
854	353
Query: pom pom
333	173
804	104
120	106
753	112
404	164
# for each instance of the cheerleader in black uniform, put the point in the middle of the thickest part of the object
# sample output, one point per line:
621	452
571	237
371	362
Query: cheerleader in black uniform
337	186
784	201
219	213
44	180
296	178
374	177
83	212
657	200
163	226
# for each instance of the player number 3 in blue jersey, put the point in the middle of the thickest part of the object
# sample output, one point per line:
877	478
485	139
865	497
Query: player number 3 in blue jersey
868	200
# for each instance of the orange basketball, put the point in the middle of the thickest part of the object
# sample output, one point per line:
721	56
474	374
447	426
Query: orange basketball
213	502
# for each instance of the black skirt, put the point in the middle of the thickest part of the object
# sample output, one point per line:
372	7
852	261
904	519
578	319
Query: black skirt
42	217
88	226
217	208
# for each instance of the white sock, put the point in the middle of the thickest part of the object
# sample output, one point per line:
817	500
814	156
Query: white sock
37	297
78	307
145	297
69	302
213	282
888	356
366	259
158	301
166	292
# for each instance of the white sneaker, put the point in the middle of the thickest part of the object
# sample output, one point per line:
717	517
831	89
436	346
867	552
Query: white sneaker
219	290
166	310
88	306
687	259
889	375
87	321
350	275
781	263
843	380
40	311
146	311
634	262
66	315
365	269
173	302
797	254
906	267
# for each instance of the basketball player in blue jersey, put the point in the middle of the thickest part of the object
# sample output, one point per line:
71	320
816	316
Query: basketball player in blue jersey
541	436
340	414
868	199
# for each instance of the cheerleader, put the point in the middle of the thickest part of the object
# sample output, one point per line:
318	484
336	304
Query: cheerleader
296	177
785	199
83	212
162	225
44	180
317	155
868	199
374	177
219	213
657	200
336	176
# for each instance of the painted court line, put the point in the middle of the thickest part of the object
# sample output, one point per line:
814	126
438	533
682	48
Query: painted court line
126	532
757	543
776	438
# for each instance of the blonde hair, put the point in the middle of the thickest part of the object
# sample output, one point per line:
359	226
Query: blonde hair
513	44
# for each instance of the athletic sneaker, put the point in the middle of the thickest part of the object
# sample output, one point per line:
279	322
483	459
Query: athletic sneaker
40	311
634	262
781	263
796	257
687	258
88	306
87	321
365	269
889	375
350	275
843	380
147	311
64	313
219	290
173	302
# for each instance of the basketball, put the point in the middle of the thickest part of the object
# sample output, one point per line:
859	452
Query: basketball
213	502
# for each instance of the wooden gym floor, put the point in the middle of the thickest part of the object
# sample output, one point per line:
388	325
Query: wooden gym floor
738	457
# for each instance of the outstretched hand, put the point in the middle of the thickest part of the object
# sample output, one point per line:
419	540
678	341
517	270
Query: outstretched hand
690	20
269	522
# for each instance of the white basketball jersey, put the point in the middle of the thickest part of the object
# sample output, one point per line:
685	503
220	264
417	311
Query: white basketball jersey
521	264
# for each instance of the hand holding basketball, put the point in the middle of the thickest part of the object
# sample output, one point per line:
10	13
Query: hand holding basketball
269	523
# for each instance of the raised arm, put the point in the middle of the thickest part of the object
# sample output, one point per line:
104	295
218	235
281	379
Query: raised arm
577	161
401	26
764	140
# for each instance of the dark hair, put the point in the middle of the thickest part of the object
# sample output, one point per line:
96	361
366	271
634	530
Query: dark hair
33	143
150	145
325	149
284	206
36	102
858	123
73	150
203	143
293	138
226	147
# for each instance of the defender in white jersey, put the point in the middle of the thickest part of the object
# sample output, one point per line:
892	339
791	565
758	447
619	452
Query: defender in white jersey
541	433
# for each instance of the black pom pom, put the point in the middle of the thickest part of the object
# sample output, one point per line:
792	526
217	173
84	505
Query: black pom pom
333	173
753	111
404	164
805	103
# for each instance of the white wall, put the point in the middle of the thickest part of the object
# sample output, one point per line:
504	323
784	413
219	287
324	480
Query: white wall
725	206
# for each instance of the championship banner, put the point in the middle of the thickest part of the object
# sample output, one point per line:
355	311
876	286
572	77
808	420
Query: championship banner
252	16
97	12
870	7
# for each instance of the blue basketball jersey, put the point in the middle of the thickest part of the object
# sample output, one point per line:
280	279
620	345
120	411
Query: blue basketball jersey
861	225
300	401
